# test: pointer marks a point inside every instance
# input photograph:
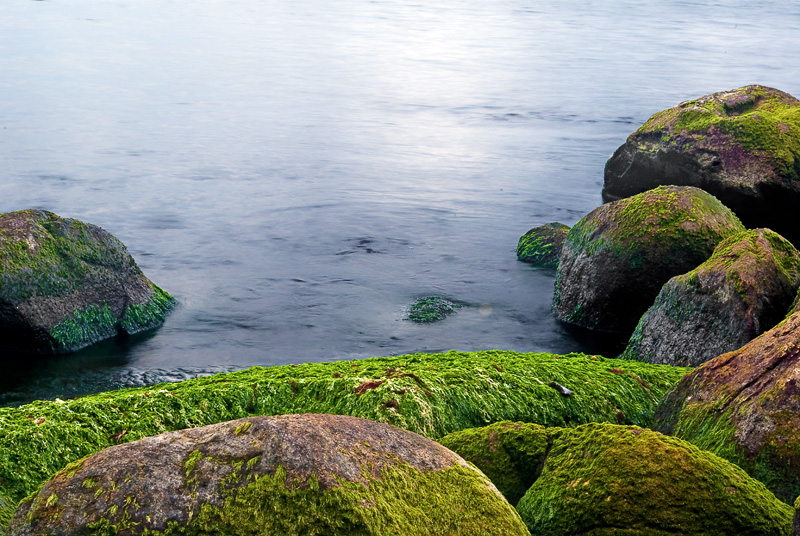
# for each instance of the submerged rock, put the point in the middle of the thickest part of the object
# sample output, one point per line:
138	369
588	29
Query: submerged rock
617	258
745	406
509	453
541	246
607	479
65	285
431	309
742	290
743	146
289	475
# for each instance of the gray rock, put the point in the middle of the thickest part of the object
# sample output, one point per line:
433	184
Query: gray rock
541	246
65	284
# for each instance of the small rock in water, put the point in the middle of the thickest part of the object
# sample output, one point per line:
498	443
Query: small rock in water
431	309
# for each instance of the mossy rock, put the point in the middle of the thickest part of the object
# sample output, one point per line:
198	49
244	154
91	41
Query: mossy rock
65	285
743	146
745	406
600	479
509	453
288	475
616	259
742	290
430	394
431	309
541	246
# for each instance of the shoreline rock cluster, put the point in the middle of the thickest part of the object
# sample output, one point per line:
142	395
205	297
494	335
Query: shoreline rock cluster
536	444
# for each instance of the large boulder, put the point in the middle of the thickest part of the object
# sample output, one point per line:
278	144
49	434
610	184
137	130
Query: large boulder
65	285
509	453
600	479
743	146
742	290
541	246
289	475
617	258
745	406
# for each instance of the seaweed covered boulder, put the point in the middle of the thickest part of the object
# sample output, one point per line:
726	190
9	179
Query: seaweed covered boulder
742	290
430	394
65	285
541	246
745	406
509	453
290	474
743	146
616	259
608	479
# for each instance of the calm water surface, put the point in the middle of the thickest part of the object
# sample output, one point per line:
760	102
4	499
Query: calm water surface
297	173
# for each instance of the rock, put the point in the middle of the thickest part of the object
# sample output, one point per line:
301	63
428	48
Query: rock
745	406
742	146
289	475
509	453
431	309
617	258
541	246
601	479
430	394
742	290
65	285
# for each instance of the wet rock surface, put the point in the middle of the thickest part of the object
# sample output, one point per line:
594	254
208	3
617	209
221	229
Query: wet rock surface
744	405
616	259
745	288
742	146
65	284
289	474
541	246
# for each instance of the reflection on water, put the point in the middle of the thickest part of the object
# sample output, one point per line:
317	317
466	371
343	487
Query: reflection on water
298	173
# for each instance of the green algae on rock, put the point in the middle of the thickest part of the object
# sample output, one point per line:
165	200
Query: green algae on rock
743	146
430	394
289	475
509	453
431	309
617	258
541	246
744	406
602	479
65	285
742	290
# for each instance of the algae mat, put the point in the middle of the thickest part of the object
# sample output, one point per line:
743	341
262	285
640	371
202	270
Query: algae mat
431	394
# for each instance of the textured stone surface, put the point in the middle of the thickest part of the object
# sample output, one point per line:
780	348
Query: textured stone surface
65	284
289	474
743	146
745	406
742	290
616	259
541	246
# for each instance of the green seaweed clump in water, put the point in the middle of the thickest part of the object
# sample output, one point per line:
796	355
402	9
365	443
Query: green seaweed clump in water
431	309
430	394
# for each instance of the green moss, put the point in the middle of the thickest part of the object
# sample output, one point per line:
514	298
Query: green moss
435	394
541	246
402	501
7	508
431	309
147	315
242	428
754	118
601	477
509	453
85	327
191	462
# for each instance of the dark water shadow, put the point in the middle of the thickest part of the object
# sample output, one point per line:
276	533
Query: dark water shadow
606	344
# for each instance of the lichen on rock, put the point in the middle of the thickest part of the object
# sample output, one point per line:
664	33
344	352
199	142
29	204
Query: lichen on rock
616	259
541	246
601	479
743	146
742	290
290	475
65	285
